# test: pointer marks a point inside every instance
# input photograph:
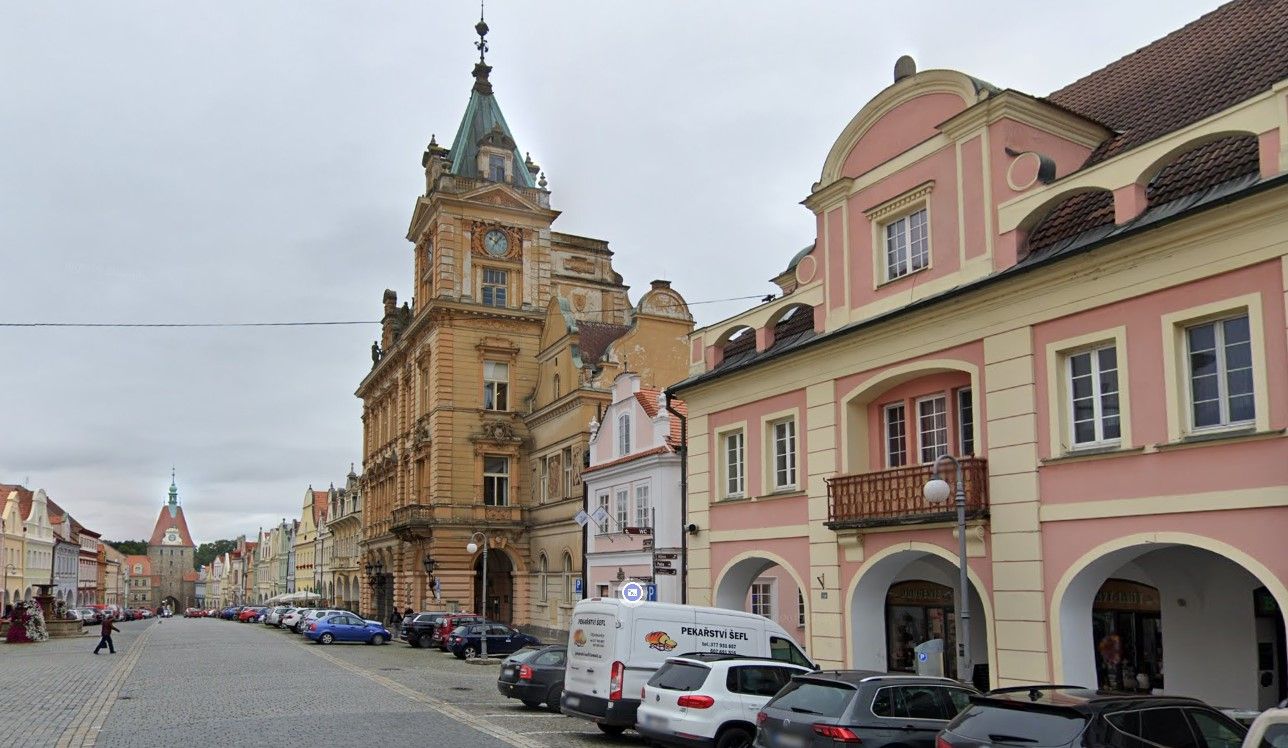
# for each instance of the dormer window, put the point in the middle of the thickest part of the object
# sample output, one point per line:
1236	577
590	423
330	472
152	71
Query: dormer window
907	242
496	168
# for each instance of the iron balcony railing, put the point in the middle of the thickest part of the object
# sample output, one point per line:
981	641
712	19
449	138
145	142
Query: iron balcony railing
895	497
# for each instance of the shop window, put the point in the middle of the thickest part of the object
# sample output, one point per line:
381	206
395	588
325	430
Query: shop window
918	611
784	445
1094	414
1220	373
932	428
907	243
735	465
496	480
896	435
496	385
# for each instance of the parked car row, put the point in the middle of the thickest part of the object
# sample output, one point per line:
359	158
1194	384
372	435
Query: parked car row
92	615
324	626
462	634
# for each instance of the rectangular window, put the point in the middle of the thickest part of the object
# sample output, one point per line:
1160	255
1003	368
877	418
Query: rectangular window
603	504
496	480
624	434
496	168
785	454
567	472
800	608
932	427
1220	361
643	511
623	508
1093	397
896	435
907	245
496	286
966	421
496	385
543	479
735	464
762	598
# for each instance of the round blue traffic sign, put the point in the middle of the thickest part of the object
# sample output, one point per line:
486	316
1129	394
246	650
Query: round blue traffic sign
632	593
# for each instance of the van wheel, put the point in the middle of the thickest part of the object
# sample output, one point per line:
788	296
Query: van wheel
529	703
553	696
610	730
734	737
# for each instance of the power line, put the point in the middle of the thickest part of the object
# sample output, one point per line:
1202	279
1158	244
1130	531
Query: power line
328	323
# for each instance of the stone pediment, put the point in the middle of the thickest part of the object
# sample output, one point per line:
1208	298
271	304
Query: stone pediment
496	432
502	197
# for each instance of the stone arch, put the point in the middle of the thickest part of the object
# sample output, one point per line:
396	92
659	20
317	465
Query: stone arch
1163	554
543	581
854	432
504	570
733	582
864	611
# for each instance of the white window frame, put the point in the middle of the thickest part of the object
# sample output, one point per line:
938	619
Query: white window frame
899	246
496	391
1222	374
621	507
734	451
886	423
545	576
800	607
785	447
764	588
500	482
966	431
495	288
543	479
1098	416
623	434
605	500
567	472
921	434
643	515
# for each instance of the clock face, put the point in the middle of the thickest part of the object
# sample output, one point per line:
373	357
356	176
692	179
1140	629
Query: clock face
496	242
171	537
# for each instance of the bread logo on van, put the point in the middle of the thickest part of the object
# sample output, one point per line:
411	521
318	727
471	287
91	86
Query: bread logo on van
579	637
661	641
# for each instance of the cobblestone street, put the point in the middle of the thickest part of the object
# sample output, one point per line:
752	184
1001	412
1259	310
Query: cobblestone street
178	680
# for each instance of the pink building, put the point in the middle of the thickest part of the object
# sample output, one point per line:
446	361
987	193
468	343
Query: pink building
1082	297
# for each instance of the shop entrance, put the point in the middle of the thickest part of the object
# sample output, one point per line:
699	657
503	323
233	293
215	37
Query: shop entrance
500	586
1126	625
918	611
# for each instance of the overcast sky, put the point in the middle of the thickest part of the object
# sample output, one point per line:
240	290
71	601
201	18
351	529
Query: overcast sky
258	161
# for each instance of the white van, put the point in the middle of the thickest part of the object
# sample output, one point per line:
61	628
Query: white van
614	648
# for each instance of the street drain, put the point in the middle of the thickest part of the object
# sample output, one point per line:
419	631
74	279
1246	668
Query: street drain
387	669
462	688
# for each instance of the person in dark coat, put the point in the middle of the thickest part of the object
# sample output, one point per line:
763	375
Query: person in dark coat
395	618
106	640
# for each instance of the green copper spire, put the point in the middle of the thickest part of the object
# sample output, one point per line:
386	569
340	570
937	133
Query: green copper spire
174	493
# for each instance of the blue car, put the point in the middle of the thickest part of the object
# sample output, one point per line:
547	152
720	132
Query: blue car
346	627
466	642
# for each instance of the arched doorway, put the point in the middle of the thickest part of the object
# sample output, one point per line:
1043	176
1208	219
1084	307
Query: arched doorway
172	603
1172	616
906	598
764	585
500	586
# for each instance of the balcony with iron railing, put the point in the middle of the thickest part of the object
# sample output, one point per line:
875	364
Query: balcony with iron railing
891	498
418	520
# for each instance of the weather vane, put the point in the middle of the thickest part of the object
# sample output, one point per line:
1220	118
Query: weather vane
481	28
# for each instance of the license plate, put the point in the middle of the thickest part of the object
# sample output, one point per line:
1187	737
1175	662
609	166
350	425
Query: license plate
789	741
655	722
572	701
508	671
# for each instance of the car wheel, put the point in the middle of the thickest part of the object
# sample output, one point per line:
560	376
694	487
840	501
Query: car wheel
734	737
610	730
470	652
378	639
529	703
552	697
414	641
326	638
458	655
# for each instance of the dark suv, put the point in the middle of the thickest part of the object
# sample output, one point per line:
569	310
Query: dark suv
1051	716
852	706
418	630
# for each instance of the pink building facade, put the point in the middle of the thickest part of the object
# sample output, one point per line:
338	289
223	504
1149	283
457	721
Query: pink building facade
1082	298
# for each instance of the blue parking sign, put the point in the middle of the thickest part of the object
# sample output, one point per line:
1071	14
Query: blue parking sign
651	591
577	586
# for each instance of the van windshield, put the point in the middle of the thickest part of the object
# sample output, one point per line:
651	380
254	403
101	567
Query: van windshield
784	650
680	676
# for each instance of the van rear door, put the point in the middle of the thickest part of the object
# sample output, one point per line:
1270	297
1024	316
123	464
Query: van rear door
592	647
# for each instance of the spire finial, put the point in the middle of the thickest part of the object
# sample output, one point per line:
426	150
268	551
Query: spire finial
174	490
481	28
481	68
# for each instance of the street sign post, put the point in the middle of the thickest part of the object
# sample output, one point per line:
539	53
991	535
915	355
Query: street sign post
664	571
667	556
651	593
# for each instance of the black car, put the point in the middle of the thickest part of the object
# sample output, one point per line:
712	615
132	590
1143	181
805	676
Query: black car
1055	716
534	676
466	642
418	630
822	709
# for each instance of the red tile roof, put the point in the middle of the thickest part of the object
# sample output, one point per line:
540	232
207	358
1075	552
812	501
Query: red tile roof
171	516
319	507
190	576
594	338
1231	54
147	564
648	397
24	498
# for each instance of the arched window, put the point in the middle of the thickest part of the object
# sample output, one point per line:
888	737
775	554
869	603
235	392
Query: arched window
545	577
557	390
567	579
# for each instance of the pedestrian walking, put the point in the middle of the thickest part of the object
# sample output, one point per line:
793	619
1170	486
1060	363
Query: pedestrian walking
106	640
395	618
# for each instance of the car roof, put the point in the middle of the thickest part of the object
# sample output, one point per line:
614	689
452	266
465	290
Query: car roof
713	657
1076	698
855	677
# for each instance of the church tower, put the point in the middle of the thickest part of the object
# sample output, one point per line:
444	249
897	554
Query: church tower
171	550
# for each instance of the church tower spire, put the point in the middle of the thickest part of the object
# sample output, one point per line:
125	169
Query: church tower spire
174	490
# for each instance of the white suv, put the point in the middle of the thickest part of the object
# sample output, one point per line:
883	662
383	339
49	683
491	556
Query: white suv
709	699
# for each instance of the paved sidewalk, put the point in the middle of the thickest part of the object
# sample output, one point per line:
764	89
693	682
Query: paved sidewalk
46	685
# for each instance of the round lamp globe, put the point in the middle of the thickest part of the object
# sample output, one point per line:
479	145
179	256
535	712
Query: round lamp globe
473	547
936	491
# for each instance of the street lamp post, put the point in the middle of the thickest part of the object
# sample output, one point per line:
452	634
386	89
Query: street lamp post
473	547
936	492
429	576
9	569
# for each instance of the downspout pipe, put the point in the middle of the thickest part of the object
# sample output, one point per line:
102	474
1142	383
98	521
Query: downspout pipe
684	499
